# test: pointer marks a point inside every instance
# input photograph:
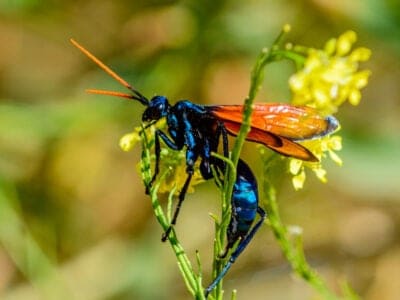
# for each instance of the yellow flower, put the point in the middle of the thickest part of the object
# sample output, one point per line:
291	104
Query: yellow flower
330	76
321	148
171	160
129	140
175	162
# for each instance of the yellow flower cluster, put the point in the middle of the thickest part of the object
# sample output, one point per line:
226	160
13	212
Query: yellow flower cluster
175	163
320	148
172	161
329	78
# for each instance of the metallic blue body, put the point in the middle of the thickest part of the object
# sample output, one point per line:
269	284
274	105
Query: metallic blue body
191	126
194	127
244	211
200	131
244	203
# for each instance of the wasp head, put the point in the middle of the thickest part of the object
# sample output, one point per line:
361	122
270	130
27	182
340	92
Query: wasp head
157	108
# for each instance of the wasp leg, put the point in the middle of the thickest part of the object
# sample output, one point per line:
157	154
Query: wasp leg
221	130
219	165
242	245
159	134
178	207
191	157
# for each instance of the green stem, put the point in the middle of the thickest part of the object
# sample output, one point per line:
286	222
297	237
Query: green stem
297	58
193	282
291	245
266	56
293	250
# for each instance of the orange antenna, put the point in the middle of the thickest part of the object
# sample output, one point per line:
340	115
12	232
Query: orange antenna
110	72
110	93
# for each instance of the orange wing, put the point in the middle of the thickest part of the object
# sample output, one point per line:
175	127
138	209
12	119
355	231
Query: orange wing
279	144
293	122
279	126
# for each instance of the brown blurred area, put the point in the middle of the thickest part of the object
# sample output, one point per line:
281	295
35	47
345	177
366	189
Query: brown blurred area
75	222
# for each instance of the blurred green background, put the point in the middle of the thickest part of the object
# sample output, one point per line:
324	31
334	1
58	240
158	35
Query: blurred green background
74	220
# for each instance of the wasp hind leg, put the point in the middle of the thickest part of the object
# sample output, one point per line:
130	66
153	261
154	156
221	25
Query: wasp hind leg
235	254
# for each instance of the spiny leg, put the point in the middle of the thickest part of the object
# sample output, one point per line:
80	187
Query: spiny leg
170	143
224	134
242	245
220	165
191	157
157	152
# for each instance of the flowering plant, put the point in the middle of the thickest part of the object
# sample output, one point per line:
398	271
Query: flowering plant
325	79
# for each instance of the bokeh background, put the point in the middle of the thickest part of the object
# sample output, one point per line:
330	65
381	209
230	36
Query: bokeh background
74	220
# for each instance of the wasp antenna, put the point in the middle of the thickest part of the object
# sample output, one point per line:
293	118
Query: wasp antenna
111	93
101	64
110	72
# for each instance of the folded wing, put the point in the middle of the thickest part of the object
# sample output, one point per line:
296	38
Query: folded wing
279	126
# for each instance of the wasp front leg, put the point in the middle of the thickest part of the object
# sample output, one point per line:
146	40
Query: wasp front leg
170	143
191	157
